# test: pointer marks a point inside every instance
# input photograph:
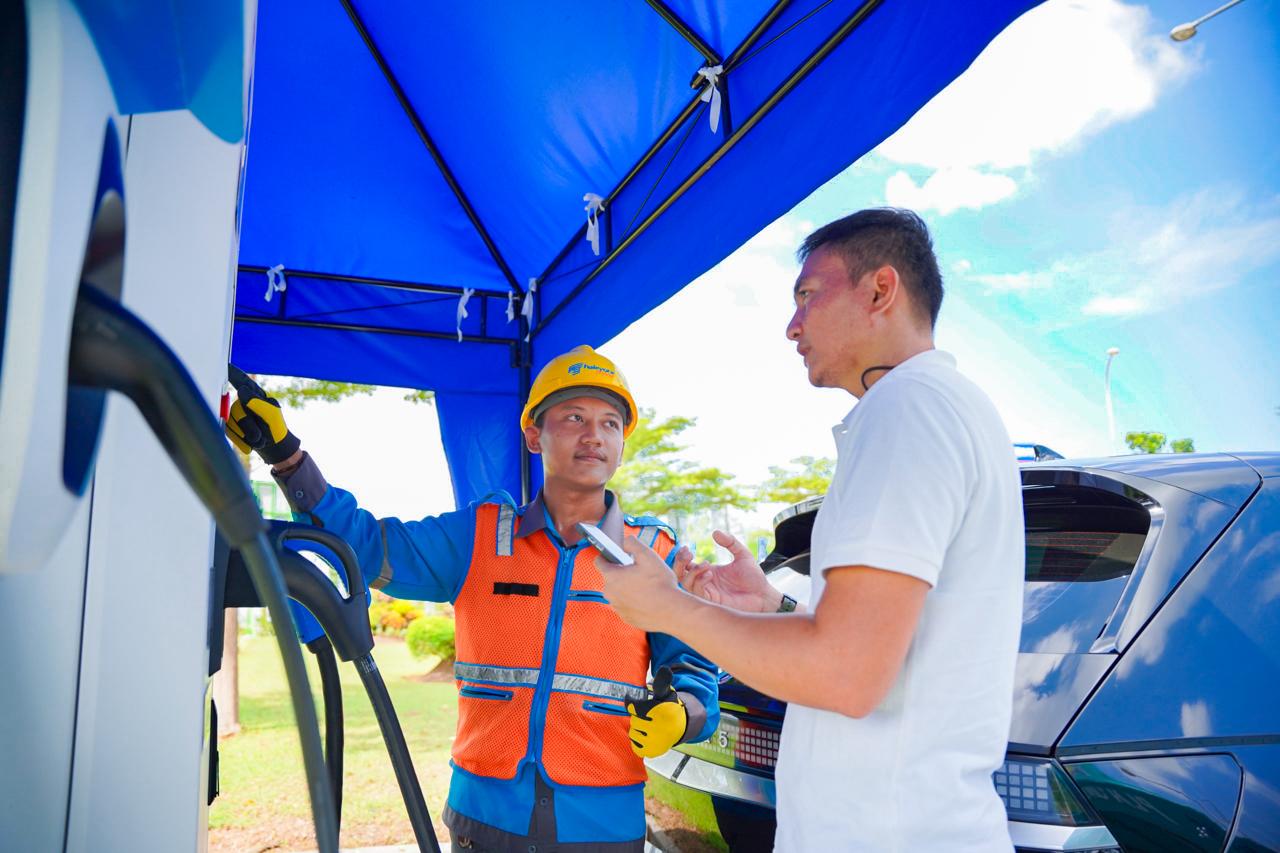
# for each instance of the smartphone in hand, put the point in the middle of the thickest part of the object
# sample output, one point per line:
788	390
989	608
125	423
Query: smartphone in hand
611	550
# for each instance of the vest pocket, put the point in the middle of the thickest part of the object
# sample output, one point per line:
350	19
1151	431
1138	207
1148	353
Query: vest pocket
493	729
587	742
606	708
587	595
485	692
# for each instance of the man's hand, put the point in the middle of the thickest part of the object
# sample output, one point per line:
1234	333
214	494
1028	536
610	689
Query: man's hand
659	723
739	583
644	593
257	423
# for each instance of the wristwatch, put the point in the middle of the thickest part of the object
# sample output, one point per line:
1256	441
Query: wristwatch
787	605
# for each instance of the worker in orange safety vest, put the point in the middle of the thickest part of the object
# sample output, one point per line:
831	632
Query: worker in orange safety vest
554	715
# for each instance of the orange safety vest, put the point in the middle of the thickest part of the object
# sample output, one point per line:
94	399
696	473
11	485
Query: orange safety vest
522	599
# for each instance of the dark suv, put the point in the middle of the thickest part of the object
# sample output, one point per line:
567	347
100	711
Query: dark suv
1146	708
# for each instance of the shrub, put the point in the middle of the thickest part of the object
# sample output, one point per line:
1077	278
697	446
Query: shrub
407	610
431	636
391	616
376	610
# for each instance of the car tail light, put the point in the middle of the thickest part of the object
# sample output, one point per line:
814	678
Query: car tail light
740	743
1038	791
756	746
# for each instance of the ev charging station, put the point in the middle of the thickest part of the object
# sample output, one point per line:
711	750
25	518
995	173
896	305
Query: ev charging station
103	547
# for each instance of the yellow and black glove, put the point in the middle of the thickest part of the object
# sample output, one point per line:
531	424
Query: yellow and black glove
256	421
659	723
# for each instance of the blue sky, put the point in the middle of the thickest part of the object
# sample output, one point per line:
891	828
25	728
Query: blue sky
1089	182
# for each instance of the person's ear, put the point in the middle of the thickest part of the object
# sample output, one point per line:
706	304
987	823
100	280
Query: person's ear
886	290
533	438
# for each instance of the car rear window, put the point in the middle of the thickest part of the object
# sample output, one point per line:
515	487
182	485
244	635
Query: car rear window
1082	545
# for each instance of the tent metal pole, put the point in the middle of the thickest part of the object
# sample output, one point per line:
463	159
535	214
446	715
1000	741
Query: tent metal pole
755	35
374	330
678	122
430	144
832	42
690	35
524	361
392	284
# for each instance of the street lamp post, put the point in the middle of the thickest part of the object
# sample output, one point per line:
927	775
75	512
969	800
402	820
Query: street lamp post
1182	32
1111	415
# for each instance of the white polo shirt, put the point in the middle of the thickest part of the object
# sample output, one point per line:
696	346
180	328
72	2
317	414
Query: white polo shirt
926	484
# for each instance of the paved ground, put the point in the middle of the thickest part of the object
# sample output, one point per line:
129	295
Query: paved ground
394	848
445	848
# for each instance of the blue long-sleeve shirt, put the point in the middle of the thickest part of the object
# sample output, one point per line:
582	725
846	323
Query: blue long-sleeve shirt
429	560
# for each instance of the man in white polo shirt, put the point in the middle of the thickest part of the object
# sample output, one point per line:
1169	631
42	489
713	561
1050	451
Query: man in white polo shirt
900	680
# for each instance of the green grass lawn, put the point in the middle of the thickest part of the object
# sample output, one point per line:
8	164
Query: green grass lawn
263	802
263	789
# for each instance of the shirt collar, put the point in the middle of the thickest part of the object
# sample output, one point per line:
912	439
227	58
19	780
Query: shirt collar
928	356
535	517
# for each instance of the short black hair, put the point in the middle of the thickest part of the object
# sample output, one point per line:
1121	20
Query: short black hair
869	239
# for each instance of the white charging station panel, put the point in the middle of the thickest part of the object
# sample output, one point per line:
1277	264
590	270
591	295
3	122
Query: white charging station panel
69	113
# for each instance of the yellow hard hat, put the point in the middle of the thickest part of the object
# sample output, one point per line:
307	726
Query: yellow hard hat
581	367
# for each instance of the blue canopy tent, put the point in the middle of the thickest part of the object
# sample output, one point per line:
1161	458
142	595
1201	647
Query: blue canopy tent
418	171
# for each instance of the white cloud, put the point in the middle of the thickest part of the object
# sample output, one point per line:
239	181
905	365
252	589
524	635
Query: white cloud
1057	75
948	190
1116	306
1157	258
962	266
1203	242
1015	282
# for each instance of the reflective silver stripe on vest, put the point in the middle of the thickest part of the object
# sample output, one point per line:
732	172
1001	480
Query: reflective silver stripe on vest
596	687
506	529
648	536
499	674
384	576
572	683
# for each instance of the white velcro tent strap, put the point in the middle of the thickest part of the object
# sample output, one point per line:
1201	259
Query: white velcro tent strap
595	204
712	92
526	307
511	306
506	530
275	281
462	308
495	674
597	687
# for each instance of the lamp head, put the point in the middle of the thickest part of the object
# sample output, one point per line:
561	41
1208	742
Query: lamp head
1114	351
1182	32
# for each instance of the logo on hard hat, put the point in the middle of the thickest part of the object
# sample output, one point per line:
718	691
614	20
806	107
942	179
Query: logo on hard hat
575	369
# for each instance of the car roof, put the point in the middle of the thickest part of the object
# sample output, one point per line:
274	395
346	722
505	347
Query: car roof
1226	478
1229	478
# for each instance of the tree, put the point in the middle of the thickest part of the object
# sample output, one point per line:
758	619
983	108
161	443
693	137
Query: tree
1145	442
295	393
1153	442
805	477
654	480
